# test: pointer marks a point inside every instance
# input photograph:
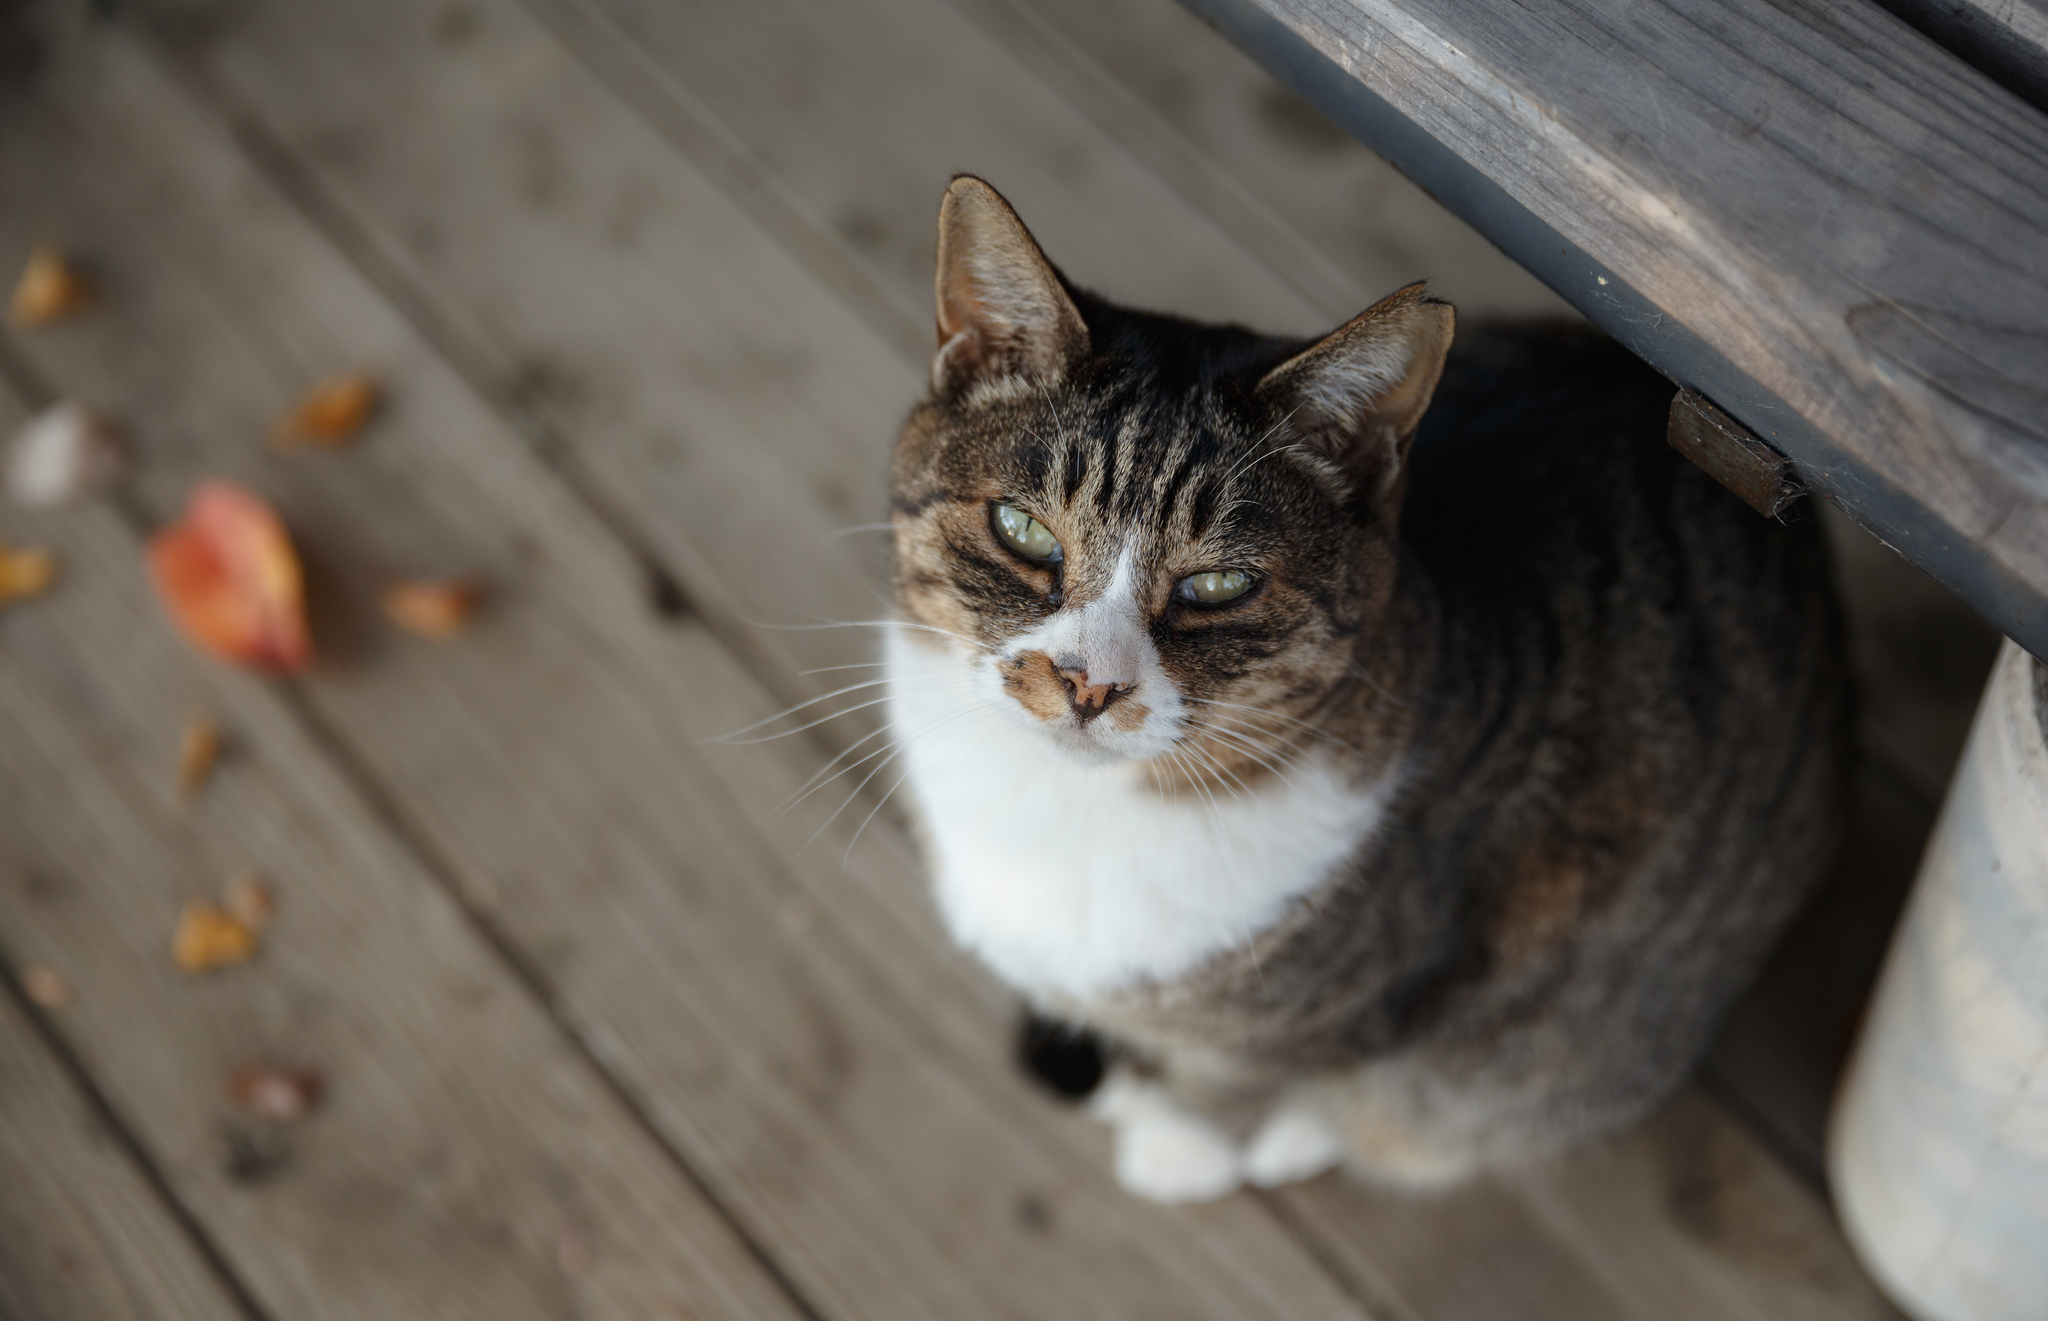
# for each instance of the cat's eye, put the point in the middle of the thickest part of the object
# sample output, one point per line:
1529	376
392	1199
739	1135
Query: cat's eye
1026	535
1216	586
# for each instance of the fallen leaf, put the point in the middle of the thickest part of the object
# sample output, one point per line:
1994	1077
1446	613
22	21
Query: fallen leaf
330	414
26	572
231	580
209	937
48	289
46	987
197	751
62	453
433	609
277	1096
250	902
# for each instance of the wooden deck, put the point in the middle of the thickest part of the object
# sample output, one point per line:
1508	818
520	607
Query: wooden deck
605	1032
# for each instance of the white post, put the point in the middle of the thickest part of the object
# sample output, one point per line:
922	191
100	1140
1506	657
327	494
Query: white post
1938	1149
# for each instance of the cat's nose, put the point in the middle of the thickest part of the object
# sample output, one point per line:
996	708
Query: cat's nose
1089	700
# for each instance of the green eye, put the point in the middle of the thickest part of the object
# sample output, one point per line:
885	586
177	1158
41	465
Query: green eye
1026	535
1216	586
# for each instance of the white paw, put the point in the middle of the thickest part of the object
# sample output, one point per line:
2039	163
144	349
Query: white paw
1163	1152
1294	1143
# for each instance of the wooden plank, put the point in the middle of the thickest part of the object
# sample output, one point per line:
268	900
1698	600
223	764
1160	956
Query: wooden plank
2006	39
840	1080
276	71
1829	226
1239	145
466	1162
83	1237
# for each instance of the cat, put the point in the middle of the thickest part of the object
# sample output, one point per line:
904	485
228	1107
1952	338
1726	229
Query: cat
1397	751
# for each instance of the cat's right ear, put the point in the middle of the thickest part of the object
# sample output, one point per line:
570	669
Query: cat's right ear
1357	395
1002	310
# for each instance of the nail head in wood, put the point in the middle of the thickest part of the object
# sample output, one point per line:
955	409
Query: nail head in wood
1732	455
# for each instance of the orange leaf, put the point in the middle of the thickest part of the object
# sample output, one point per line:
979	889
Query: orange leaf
329	414
431	609
48	289
209	938
26	572
230	579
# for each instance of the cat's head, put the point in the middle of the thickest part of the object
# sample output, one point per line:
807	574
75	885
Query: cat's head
1148	539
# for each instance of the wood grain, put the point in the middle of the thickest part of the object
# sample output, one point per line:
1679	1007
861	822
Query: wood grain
1285	181
2006	39
840	1081
274	73
83	1237
1853	219
464	1161
83	1234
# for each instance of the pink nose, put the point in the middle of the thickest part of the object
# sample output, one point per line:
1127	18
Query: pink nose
1090	700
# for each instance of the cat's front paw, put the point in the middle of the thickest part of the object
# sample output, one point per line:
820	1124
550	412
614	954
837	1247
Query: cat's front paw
1163	1152
1295	1143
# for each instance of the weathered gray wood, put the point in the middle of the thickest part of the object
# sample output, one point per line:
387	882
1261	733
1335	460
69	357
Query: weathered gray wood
1287	183
2006	39
465	1162
1832	228
376	172
83	1235
836	1075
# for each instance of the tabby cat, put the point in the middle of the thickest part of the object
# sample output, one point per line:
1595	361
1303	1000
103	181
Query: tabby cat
1398	786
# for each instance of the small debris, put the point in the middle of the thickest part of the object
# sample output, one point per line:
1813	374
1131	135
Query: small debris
49	288
249	901
209	937
198	749
330	414
45	987
276	1096
433	609
231	580
25	572
256	1153
60	455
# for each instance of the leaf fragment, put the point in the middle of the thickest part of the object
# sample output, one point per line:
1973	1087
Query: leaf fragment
249	901
62	454
49	288
274	1095
231	581
437	609
198	749
45	987
330	414
25	572
209	937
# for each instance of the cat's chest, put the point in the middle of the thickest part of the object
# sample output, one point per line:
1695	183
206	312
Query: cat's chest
1076	881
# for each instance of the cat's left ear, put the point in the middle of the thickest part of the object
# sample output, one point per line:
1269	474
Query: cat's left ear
1002	310
1357	396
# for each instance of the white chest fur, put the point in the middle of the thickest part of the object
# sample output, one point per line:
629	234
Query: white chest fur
1075	880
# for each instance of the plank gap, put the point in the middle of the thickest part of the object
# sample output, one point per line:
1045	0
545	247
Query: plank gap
125	1139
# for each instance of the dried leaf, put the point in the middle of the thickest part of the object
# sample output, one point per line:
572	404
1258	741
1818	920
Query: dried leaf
250	902
277	1096
231	580
46	987
62	453
330	414
197	751
433	609
48	289
26	572
208	937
